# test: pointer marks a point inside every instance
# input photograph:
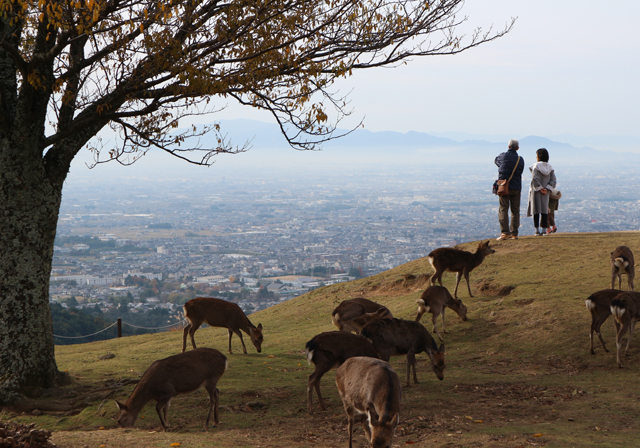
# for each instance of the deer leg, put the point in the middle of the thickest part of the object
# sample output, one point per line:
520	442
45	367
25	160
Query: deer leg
366	427
413	364
620	282
230	334
621	332
244	348
323	362
161	408
214	395
596	326
630	279
184	336
437	276
435	326
314	383
626	350
444	330
192	331
350	416
466	277
458	278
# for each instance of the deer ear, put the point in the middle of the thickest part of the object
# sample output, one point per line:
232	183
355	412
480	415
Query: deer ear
441	349
120	406
259	327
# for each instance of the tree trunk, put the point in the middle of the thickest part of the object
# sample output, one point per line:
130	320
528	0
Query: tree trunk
29	207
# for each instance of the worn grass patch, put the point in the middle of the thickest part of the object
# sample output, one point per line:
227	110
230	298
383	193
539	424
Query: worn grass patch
519	372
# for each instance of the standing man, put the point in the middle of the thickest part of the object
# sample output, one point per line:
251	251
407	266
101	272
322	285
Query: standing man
510	165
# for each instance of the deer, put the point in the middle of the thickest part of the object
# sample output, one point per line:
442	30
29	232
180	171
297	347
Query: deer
459	261
178	374
622	263
625	308
371	392
393	337
330	350
599	305
434	300
353	314
219	313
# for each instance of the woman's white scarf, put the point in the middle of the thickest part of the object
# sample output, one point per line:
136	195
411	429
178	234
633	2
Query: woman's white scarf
543	168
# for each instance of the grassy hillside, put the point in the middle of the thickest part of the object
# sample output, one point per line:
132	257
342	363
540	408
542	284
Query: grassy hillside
519	372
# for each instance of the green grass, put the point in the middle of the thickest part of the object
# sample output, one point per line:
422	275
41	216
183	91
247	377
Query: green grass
519	372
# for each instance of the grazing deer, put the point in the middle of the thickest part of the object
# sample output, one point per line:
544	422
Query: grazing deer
599	305
434	300
393	337
625	308
177	374
328	351
353	314
622	263
219	313
459	261
371	393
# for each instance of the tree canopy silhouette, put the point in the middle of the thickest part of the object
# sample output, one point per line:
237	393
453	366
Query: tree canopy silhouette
69	68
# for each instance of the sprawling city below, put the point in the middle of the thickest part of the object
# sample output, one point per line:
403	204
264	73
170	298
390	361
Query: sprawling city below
259	239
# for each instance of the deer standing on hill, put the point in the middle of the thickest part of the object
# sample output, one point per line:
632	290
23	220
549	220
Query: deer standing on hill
393	337
219	313
177	374
599	305
353	314
330	350
371	393
459	261
625	308
622	263
434	300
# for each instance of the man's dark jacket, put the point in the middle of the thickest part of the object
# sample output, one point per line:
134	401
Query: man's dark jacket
506	161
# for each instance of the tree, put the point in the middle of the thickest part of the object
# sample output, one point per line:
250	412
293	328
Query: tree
69	68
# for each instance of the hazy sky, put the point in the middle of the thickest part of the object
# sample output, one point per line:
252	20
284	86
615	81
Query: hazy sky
568	66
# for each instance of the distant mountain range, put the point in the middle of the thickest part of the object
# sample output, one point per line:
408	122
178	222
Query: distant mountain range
420	148
364	150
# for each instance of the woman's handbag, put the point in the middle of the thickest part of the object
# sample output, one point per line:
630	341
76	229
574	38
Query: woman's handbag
501	186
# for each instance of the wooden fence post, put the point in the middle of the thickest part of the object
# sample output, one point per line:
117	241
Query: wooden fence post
119	327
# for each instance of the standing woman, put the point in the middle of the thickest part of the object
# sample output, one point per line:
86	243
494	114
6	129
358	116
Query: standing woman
543	179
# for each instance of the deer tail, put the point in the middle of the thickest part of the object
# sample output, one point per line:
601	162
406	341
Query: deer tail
309	356
621	263
589	304
618	310
421	306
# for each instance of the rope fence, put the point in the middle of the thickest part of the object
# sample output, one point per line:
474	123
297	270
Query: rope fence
119	323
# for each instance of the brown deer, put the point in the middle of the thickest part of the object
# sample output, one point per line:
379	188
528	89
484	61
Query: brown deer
393	337
177	374
219	313
371	393
434	300
328	351
625	308
622	263
353	314
459	261
599	305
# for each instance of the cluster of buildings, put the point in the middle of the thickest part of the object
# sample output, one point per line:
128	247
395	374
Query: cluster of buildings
259	241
